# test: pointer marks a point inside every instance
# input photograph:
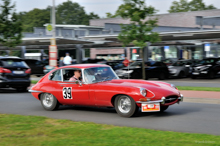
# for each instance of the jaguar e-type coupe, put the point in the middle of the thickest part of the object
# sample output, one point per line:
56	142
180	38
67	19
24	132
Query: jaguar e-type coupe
99	86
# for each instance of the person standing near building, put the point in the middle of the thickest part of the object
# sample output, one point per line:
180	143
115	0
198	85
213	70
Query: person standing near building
126	62
67	60
61	61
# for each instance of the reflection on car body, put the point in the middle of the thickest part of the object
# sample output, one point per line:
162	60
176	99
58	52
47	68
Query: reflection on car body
101	87
153	69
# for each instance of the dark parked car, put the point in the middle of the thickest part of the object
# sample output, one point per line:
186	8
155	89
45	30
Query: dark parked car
169	61
181	68
209	67
115	64
153	69
15	73
36	66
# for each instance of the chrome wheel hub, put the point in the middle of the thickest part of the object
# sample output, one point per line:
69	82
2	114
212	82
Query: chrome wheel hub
124	104
48	100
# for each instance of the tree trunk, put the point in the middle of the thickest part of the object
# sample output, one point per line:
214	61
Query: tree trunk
143	65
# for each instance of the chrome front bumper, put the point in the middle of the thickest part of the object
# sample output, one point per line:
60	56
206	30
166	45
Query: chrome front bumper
162	101
34	91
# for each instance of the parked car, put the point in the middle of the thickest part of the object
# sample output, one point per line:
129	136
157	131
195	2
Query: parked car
36	66
181	68
209	67
15	73
105	90
48	68
115	64
153	69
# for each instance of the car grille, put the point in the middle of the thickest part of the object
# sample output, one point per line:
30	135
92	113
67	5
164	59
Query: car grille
170	99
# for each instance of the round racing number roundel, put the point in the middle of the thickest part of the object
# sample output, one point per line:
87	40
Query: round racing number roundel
67	93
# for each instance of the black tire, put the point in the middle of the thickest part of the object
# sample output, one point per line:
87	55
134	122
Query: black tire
135	75
211	75
163	108
193	77
162	76
125	106
181	74
49	102
22	89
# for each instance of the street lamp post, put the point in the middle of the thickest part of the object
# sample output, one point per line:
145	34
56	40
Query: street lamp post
54	20
53	48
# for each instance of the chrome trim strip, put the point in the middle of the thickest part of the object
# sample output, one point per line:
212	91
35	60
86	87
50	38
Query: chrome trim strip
68	83
156	101
162	101
34	91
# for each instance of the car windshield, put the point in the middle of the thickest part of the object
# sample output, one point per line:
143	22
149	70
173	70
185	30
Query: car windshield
207	61
99	74
139	64
14	63
136	64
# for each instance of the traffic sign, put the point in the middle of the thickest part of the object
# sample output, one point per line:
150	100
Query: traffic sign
207	47
49	29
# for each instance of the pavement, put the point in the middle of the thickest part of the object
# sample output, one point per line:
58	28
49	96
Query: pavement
210	97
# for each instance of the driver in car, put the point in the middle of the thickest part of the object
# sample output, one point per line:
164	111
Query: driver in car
76	77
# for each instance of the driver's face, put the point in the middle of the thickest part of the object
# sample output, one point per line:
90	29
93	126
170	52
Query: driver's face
78	73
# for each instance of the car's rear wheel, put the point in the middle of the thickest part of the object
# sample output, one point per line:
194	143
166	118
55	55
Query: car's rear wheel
211	75
22	89
193	77
125	106
49	102
163	108
181	74
162	76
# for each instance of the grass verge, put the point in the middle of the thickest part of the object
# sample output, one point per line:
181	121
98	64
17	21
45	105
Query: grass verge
34	130
33	82
198	88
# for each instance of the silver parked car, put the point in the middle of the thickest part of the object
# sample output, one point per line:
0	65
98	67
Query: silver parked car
181	68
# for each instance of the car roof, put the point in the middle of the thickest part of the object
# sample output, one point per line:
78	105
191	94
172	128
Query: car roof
83	66
9	57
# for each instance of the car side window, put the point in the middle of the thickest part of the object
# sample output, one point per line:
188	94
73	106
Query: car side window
67	74
56	76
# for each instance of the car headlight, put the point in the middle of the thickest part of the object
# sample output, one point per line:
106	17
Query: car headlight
173	86
143	92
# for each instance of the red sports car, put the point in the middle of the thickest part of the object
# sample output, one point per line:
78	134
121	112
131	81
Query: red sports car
99	86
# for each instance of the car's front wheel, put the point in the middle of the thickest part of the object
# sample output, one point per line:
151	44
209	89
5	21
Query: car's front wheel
49	102
125	106
22	89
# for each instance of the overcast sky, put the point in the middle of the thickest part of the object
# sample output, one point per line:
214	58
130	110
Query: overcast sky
100	7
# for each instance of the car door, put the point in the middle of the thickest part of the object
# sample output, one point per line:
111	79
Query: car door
74	92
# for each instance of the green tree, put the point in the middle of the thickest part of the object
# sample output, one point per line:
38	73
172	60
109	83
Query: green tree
34	18
185	6
72	13
139	32
10	26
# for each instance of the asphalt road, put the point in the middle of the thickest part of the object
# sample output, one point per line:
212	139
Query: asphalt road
185	117
200	82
